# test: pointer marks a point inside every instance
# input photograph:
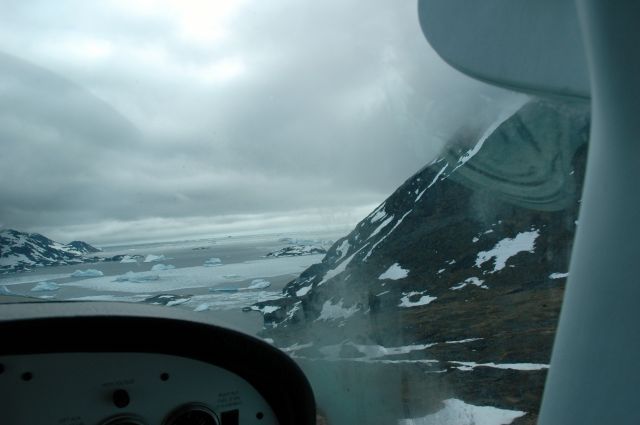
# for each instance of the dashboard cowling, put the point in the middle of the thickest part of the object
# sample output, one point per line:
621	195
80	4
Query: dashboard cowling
82	363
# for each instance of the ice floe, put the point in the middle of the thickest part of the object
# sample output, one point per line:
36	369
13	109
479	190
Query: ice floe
202	307
152	257
45	286
137	277
87	273
128	259
201	277
558	275
213	262
162	267
259	284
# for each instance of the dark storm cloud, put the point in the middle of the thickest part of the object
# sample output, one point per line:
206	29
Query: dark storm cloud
296	106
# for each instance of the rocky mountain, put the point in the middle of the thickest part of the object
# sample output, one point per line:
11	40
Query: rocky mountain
456	280
21	251
83	247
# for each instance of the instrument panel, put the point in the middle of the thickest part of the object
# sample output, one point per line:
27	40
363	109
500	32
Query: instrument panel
118	364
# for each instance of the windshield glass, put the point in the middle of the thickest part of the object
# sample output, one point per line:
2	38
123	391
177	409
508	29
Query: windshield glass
311	173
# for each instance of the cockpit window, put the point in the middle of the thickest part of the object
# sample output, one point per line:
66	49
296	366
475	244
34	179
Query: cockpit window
308	172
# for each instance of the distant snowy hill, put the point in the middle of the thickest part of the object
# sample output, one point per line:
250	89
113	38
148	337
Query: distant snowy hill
22	251
459	274
297	250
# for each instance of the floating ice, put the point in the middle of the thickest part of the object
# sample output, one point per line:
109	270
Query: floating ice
5	291
507	248
200	277
128	259
423	300
259	284
202	307
87	273
213	262
45	286
137	277
162	267
394	272
558	275
151	258
457	412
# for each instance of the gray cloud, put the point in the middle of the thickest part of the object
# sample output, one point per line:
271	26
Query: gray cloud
112	120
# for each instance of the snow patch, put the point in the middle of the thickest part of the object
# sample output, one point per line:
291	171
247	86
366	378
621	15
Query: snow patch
386	236
336	311
405	301
378	214
470	281
558	275
469	366
463	341
394	272
303	291
343	249
457	412
380	227
507	248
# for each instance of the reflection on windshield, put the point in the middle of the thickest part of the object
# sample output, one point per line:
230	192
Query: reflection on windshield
400	231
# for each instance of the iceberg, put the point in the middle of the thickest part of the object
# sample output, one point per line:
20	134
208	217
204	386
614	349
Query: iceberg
213	262
87	273
151	258
45	286
259	284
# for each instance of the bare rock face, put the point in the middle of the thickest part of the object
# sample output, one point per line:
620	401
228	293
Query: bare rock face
457	278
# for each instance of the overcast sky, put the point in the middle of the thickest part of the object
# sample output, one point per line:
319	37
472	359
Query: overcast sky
143	120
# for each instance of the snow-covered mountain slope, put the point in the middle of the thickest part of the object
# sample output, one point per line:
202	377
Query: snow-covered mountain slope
22	251
465	262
